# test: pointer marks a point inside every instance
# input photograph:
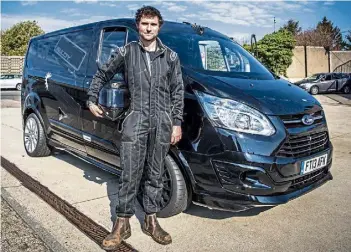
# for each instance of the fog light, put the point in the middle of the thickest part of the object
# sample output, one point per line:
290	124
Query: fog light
251	179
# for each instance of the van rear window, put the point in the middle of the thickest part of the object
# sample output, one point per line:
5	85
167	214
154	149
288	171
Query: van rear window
64	56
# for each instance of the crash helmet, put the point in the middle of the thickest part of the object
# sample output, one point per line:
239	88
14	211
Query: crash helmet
114	100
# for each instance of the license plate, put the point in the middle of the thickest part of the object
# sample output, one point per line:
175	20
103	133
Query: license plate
313	164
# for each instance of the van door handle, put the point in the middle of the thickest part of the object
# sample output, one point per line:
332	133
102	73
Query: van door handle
62	115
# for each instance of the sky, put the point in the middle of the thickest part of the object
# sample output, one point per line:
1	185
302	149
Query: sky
238	19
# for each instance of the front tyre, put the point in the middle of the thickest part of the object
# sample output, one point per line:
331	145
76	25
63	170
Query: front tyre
34	137
175	197
347	89
175	194
19	86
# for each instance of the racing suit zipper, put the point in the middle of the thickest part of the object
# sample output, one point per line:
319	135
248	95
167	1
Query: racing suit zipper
150	91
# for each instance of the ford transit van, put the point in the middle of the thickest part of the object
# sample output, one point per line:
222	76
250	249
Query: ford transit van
250	139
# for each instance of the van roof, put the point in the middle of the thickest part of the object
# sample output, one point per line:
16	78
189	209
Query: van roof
168	27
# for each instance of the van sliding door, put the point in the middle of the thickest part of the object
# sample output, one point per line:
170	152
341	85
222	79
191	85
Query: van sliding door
101	135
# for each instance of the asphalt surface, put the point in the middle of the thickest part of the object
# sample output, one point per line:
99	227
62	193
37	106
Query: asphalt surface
16	234
9	94
317	221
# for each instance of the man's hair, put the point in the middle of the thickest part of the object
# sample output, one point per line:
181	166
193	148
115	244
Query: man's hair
148	11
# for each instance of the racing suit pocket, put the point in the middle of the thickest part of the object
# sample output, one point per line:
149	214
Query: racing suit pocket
130	126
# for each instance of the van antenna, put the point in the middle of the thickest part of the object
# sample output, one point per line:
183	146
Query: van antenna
199	29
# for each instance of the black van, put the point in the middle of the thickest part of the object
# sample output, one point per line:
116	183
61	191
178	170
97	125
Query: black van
249	138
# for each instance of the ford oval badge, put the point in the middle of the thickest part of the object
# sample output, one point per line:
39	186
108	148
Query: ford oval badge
307	119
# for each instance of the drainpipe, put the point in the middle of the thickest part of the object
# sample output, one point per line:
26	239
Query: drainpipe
327	50
329	61
305	51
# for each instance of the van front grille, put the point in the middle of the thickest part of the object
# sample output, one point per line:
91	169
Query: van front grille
293	121
306	145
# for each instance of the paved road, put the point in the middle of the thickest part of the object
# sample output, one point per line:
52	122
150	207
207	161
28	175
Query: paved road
9	94
16	234
341	98
317	221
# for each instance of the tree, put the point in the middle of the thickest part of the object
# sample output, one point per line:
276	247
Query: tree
347	42
292	26
14	41
311	37
325	34
275	51
331	33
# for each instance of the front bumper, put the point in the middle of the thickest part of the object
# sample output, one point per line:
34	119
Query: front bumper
306	88
246	180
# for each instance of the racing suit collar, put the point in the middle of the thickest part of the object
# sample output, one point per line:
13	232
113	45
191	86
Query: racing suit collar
159	45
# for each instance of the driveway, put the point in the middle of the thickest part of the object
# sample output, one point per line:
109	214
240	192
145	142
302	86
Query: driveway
317	221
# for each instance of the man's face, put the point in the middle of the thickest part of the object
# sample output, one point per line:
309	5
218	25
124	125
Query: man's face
149	27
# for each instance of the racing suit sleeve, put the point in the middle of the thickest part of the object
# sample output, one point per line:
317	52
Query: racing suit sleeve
106	72
177	92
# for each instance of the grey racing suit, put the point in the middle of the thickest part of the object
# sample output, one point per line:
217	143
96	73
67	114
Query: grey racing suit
157	101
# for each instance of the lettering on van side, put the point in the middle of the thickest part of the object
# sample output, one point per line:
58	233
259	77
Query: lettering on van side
63	54
70	52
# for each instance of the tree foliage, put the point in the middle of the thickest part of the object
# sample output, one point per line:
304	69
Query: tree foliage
14	41
292	26
325	34
347	42
275	50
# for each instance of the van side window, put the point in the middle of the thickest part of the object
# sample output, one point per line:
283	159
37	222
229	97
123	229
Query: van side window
328	77
112	38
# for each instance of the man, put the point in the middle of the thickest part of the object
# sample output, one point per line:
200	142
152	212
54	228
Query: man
154	78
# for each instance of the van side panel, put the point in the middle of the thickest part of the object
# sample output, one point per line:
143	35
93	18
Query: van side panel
55	71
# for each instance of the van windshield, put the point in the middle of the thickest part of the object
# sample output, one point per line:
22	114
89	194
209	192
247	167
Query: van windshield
215	55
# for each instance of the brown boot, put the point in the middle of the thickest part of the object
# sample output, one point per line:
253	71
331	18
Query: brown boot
121	231
153	229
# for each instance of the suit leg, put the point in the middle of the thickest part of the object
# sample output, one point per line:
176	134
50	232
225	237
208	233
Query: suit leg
155	157
132	152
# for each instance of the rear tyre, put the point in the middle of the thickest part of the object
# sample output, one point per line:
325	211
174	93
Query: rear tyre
314	90
34	137
19	86
346	89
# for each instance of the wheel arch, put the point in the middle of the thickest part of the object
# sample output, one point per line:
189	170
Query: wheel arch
32	104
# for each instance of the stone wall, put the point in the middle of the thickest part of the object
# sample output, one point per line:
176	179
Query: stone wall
317	61
12	64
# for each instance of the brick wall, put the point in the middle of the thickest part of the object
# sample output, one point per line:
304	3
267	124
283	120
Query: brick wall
12	64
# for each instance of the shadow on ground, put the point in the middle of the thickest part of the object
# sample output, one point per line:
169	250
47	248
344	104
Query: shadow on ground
95	174
99	176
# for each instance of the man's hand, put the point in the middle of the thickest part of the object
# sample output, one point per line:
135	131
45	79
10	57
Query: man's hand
176	134
95	110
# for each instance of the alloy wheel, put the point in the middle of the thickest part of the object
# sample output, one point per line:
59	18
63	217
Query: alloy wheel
31	135
167	188
347	90
314	90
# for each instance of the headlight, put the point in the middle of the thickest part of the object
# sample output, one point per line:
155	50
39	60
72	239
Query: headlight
234	115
